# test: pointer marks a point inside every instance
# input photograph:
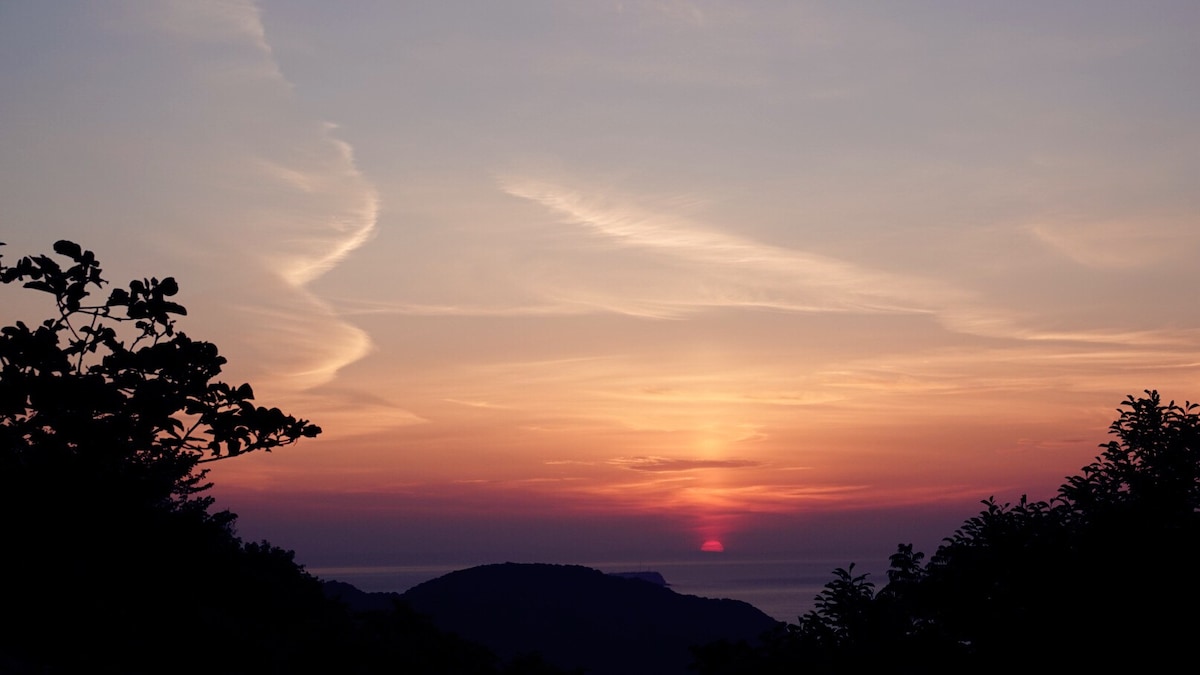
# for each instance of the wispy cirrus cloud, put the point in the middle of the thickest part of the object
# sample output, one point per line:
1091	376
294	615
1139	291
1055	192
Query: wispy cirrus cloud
703	267
656	464
728	270
260	185
1113	244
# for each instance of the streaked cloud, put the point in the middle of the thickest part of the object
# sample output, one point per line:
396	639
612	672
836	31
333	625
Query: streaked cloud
655	464
281	199
725	269
231	21
1113	244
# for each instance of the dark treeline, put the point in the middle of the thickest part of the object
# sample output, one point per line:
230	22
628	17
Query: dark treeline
1101	577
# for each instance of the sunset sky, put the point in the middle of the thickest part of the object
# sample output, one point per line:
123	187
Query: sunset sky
580	280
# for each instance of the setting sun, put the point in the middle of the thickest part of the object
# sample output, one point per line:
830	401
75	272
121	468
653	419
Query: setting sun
713	546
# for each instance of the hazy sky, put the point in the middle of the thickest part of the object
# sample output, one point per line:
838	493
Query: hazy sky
567	280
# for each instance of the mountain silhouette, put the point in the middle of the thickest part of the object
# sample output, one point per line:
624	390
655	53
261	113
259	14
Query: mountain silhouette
577	617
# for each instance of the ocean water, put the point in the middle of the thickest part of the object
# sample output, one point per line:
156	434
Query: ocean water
783	589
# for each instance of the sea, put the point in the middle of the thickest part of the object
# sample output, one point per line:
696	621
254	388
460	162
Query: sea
782	589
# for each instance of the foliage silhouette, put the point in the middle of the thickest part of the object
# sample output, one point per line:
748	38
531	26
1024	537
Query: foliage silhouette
113	562
1035	582
837	621
114	386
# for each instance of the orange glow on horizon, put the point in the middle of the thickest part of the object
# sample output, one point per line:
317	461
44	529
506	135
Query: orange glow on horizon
713	546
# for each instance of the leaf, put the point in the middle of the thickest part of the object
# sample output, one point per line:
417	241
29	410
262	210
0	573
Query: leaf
119	296
39	286
69	249
173	308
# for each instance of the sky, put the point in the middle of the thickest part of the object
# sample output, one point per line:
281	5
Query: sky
568	281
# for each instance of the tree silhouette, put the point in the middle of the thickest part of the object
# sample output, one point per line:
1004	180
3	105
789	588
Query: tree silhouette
838	618
1150	470
112	388
107	414
112	559
1096	578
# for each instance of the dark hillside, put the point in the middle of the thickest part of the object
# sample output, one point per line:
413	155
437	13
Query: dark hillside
579	617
